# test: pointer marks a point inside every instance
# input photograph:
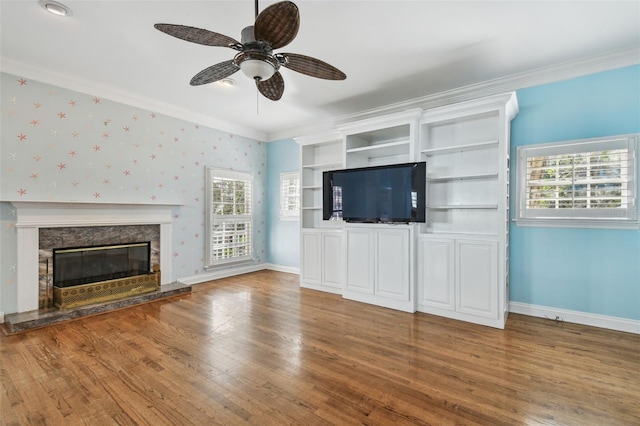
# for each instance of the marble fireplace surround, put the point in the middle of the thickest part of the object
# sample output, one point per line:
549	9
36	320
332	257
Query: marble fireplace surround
31	216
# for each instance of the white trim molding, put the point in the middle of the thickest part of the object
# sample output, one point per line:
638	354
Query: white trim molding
101	90
220	273
282	268
510	83
233	271
577	317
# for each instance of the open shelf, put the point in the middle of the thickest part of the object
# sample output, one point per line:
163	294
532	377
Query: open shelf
464	147
319	166
312	187
462	177
382	149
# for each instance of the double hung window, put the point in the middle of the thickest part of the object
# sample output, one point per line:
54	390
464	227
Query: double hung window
290	196
229	216
587	183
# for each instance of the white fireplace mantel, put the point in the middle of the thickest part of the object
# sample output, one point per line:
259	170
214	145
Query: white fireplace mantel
33	215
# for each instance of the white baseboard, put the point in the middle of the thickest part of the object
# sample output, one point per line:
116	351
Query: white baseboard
238	270
222	273
281	268
584	318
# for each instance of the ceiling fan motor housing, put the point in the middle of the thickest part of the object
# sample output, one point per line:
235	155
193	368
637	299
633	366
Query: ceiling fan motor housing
256	59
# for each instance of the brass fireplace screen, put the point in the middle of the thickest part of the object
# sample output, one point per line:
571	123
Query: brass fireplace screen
87	275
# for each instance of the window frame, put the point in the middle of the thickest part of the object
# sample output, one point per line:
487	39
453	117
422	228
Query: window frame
211	218
284	197
608	218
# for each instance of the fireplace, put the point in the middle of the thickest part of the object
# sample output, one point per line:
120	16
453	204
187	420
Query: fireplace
43	226
84	265
95	274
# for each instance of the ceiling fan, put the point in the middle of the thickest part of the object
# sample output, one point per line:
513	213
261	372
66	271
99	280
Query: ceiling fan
275	27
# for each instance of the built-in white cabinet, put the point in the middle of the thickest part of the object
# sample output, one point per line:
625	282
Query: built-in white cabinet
321	266
463	246
379	265
321	241
318	153
457	278
391	139
455	264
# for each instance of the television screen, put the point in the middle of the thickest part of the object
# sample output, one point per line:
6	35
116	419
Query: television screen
392	193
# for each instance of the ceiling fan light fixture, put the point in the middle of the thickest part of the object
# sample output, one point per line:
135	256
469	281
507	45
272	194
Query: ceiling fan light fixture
257	69
257	66
55	8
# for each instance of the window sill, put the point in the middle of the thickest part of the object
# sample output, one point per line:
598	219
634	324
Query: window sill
578	223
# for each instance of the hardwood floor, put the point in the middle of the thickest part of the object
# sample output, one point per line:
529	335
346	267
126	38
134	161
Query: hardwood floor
256	349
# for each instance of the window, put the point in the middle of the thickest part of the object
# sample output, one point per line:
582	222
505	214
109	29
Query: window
586	183
229	216
290	196
337	203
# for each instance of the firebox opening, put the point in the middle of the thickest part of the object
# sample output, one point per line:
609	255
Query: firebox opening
84	265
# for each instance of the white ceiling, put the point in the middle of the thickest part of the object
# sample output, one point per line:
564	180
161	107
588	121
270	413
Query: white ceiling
391	51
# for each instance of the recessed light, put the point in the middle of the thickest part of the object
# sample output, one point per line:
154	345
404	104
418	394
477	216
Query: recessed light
55	7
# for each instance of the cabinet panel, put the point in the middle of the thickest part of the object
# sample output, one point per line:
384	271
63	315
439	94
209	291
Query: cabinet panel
392	260
477	277
332	260
311	258
360	260
436	273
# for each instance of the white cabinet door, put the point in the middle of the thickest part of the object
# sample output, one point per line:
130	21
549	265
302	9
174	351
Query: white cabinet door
392	264
332	260
360	249
436	273
311	258
477	277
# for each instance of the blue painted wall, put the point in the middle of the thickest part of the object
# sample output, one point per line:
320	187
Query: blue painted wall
588	270
283	236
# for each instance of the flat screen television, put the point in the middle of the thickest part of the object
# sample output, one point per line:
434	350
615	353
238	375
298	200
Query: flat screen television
381	194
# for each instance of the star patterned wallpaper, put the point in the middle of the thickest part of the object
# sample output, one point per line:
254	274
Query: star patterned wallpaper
61	145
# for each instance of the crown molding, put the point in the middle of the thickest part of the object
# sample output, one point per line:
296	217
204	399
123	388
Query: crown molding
540	76
11	66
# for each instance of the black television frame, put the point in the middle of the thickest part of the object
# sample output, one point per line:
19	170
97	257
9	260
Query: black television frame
418	179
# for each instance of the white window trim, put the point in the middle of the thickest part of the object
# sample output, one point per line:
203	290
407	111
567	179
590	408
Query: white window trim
210	174
630	221
284	213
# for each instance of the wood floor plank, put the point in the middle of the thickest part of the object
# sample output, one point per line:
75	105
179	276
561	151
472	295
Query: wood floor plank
256	349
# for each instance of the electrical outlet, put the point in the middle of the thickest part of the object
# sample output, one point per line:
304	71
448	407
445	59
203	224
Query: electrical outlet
557	318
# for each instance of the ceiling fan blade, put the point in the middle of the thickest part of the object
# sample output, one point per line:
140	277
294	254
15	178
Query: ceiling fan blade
272	88
312	67
214	73
197	35
278	24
